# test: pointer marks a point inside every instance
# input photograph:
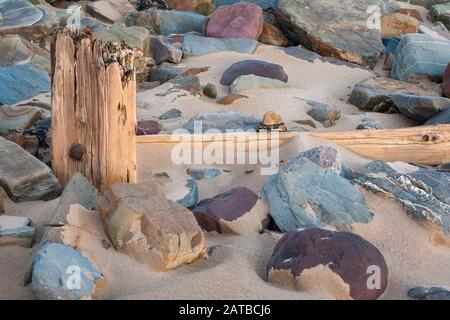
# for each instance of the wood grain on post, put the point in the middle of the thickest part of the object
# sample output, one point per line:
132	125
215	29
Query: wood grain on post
93	110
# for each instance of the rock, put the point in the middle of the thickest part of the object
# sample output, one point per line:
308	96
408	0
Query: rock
164	72
324	113
237	211
349	266
194	45
303	54
273	36
425	194
17	118
210	91
446	82
221	121
188	83
304	195
167	22
239	20
229	99
143	224
23	177
376	94
325	157
369	125
139	40
148	127
412	13
103	10
255	67
204	7
349	39
429	293
184	192
250	82
420	108
14	51
397	24
191	198
442	117
55	266
419	54
203	174
264	4
18	13
441	12
272	122
445	167
162	50
22	82
16	231
124	7
170	114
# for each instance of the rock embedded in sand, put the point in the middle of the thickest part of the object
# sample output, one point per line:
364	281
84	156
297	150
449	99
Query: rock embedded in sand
397	24
324	113
420	54
254	67
442	117
148	127
194	45
349	39
171	114
420	108
429	293
24	177
221	121
55	266
361	270
424	193
229	99
210	91
239	20
162	50
272	122
237	211
304	195
142	223
203	174
325	157
250	82
191	198
16	231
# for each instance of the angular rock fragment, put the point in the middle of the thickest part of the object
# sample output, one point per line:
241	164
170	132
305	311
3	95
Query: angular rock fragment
254	67
16	231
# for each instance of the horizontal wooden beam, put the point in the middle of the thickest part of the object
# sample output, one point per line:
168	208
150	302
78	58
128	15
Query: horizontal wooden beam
427	145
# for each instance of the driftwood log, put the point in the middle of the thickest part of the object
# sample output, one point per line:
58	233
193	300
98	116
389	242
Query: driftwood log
93	109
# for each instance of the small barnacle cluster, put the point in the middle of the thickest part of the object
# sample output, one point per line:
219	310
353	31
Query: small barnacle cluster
123	54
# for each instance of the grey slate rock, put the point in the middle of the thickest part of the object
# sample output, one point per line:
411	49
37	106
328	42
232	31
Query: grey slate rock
420	108
191	198
425	194
222	121
170	114
324	156
324	113
18	13
203	174
442	117
429	293
194	45
55	265
304	195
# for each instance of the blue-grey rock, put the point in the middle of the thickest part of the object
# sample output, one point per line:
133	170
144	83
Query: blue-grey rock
221	122
13	51
310	56
170	114
63	273
194	45
22	82
325	157
425	194
429	293
167	22
18	13
16	231
304	195
419	54
420	108
191	198
324	113
265	4
203	174
250	82
442	117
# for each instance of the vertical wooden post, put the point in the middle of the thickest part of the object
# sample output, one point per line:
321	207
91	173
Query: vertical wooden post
93	110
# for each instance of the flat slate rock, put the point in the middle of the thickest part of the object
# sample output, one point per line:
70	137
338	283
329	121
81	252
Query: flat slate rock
53	268
442	117
264	4
222	122
304	195
256	67
194	45
17	118
420	108
13	51
18	13
203	174
22	82
23	177
349	256
16	231
251	82
310	56
425	194
429	293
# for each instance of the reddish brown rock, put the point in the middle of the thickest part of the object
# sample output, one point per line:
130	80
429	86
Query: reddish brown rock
240	20
255	67
411	12
229	99
446	82
273	36
356	267
148	127
237	211
200	6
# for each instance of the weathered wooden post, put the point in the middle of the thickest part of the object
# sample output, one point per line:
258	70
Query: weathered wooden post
93	109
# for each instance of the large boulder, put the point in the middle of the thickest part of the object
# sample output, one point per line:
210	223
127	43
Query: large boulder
425	194
142	223
397	24
221	121
420	108
22	82
23	177
194	45
62	273
240	20
420	54
333	28
237	211
256	67
305	195
344	264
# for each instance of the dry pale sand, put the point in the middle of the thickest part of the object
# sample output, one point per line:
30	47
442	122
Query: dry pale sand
236	270
320	81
